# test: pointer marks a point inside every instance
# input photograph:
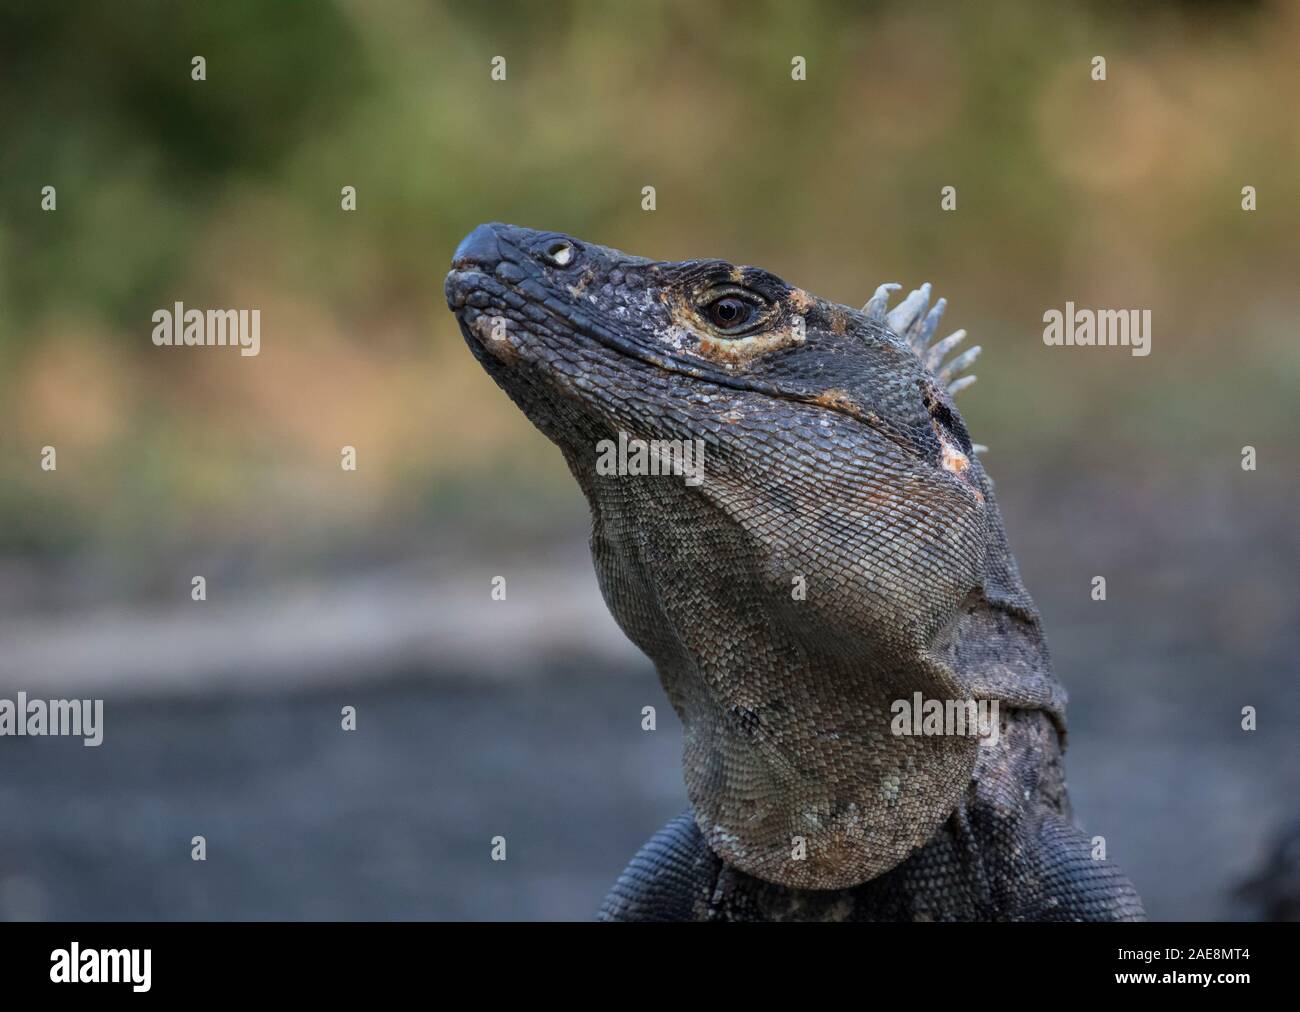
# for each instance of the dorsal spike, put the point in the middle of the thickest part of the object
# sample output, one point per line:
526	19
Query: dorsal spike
935	356
907	312
930	325
911	321
959	364
879	302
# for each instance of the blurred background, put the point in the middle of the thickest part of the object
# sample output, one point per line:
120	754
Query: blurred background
371	588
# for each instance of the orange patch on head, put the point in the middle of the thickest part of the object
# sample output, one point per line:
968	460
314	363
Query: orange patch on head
842	401
954	461
743	349
837	400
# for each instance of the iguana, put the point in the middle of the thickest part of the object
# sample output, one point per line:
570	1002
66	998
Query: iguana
838	556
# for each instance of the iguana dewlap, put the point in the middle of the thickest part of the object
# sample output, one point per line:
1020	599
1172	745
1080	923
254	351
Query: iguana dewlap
840	555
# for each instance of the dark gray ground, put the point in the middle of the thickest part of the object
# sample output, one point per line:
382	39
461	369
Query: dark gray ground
481	720
305	820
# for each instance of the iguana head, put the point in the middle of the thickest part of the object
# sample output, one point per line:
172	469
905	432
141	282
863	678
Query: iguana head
832	547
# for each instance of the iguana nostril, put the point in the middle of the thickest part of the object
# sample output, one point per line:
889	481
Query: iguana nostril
559	253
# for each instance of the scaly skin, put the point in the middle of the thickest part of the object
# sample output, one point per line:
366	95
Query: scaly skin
842	551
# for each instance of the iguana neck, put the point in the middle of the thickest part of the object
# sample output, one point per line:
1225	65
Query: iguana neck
787	739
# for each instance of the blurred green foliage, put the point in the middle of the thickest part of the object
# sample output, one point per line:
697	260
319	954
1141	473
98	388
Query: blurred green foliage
226	192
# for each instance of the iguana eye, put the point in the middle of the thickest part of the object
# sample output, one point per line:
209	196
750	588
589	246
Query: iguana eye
731	312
